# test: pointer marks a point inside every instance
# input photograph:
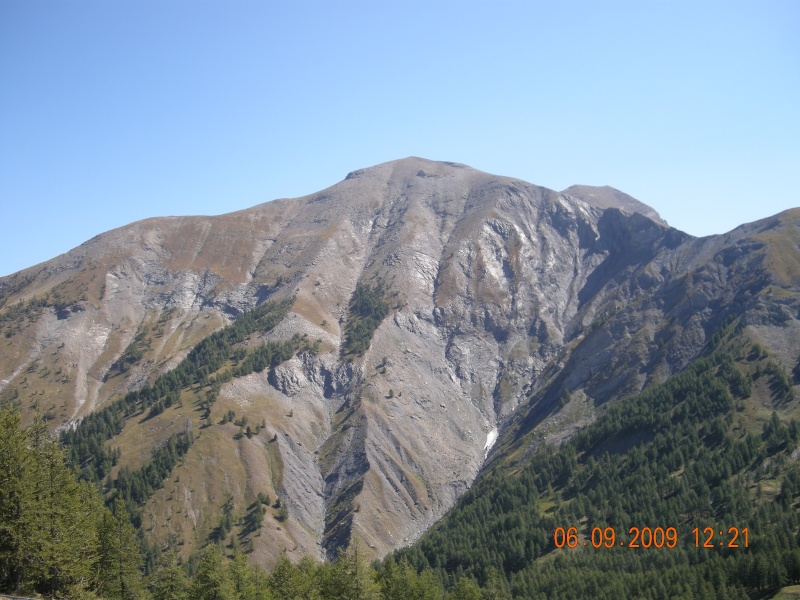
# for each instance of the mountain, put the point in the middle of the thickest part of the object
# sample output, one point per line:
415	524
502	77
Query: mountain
608	197
410	315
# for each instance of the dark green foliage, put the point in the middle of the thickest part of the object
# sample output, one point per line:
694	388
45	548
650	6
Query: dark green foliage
13	317
349	577
87	442
219	577
12	285
669	457
757	352
134	488
212	581
29	309
249	583
367	309
780	384
120	562
466	589
295	582
60	298
170	581
282	514
254	519
225	525
10	396
400	581
132	354
266	355
56	537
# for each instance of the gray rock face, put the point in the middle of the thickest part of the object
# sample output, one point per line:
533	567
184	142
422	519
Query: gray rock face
508	302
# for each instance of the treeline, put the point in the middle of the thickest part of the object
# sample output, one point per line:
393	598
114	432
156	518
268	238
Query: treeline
349	577
58	539
136	487
13	317
87	442
132	354
674	456
56	536
367	309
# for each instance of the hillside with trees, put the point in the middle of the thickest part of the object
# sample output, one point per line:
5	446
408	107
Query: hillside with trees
420	341
711	505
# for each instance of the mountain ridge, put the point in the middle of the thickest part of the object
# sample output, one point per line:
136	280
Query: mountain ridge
502	298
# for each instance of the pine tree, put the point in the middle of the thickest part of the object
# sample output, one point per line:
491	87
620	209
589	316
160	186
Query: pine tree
466	589
58	536
350	577
48	520
212	580
496	587
120	561
170	581
295	582
249	582
13	457
400	581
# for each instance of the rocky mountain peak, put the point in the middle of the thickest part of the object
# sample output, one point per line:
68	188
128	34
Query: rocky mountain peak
440	308
608	197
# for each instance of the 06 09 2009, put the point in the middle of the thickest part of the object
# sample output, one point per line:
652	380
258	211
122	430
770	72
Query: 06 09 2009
650	537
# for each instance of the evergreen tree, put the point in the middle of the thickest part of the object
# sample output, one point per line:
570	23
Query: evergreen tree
170	582
212	580
466	589
295	582
249	582
496	587
56	526
400	581
350	577
120	561
13	459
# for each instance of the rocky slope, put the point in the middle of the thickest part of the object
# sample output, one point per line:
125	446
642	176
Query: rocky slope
511	308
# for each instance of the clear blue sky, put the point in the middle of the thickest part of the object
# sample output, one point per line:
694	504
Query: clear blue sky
113	111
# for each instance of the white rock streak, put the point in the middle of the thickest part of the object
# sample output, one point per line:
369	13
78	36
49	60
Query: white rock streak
491	438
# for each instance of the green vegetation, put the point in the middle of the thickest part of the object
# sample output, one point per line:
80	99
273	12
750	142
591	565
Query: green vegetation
56	536
215	360
367	309
682	454
15	316
780	383
87	442
58	539
677	455
13	285
132	354
135	488
225	523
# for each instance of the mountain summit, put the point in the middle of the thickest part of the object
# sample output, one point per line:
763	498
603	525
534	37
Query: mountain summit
412	314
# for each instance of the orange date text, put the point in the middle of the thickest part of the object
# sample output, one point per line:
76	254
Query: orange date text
650	537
